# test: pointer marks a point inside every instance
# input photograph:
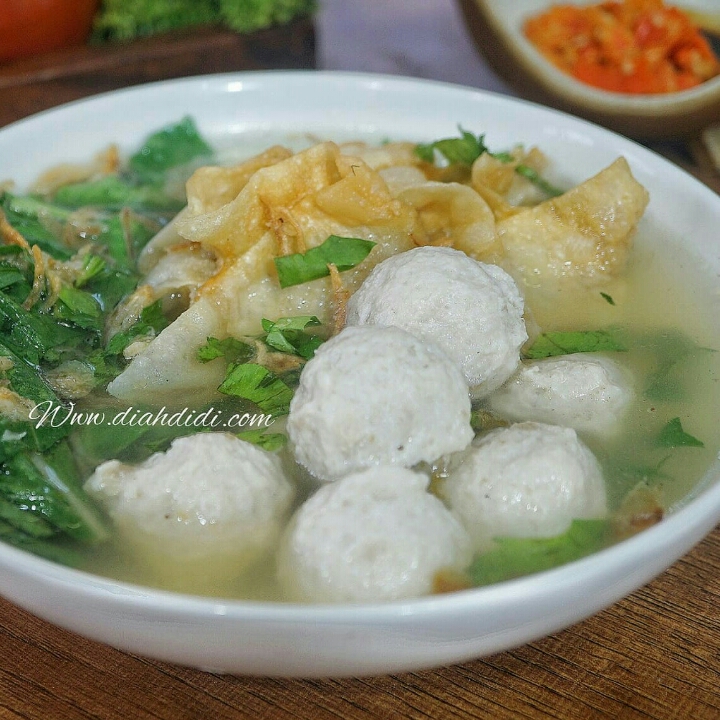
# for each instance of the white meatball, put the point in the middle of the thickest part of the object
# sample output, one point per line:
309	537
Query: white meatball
527	480
589	393
377	396
207	507
472	310
375	535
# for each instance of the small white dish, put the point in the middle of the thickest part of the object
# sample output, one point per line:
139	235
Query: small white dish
496	26
263	638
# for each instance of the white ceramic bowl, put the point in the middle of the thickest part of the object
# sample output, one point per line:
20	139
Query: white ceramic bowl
496	26
305	640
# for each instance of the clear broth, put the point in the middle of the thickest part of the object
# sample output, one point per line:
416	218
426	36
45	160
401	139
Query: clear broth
663	291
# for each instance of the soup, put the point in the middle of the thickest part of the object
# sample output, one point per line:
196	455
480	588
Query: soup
80	255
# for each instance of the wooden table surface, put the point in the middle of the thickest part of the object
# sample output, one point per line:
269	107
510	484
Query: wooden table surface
655	654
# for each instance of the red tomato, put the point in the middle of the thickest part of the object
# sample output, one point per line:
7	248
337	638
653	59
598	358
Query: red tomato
30	27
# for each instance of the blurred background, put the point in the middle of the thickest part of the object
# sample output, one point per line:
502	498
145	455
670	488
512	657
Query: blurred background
422	38
54	51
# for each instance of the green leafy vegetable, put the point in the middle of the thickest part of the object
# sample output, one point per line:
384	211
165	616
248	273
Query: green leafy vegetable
10	250
151	321
463	150
53	548
32	218
673	435
671	349
110	285
234	351
608	298
551	344
128	19
24	377
468	148
287	335
630	474
538	180
174	145
257	384
34	208
514	557
123	233
267	441
94	444
42	505
35	336
344	253
10	276
93	266
115	193
79	307
42	491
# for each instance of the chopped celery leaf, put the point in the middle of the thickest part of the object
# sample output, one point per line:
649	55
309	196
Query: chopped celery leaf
151	320
79	307
109	285
551	344
257	384
673	435
671	349
267	441
174	145
463	150
513	557
296	322
467	148
344	253
233	350
287	335
538	180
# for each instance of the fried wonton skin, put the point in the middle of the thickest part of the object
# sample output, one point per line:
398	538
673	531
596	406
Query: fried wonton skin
286	205
454	215
584	234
